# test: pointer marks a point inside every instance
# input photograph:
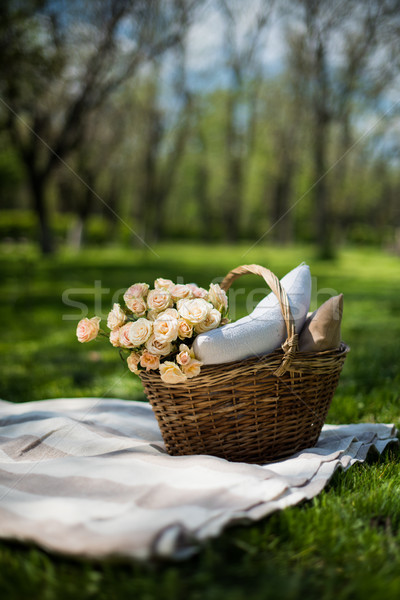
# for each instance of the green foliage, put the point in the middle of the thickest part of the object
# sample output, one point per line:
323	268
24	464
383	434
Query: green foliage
21	225
18	224
233	160
343	544
365	234
11	173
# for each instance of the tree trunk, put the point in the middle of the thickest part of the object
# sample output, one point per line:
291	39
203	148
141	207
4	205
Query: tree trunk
145	210
77	234
320	147
37	185
205	213
114	193
234	172
233	199
322	212
159	200
281	215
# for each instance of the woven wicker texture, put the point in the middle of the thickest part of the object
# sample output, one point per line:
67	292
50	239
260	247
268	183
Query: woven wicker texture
256	410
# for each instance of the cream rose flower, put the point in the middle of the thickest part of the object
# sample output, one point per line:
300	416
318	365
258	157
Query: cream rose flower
217	296
137	306
149	361
114	337
185	355
192	369
159	299
198	292
182	302
116	317
195	311
171	373
140	331
212	321
180	291
158	348
124	339
138	290
163	284
172	312
88	329
184	329
133	361
166	329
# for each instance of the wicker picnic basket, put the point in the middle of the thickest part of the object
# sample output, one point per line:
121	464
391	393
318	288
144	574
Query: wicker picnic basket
256	410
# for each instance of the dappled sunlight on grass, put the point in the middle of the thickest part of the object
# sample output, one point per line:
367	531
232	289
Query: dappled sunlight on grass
345	543
41	357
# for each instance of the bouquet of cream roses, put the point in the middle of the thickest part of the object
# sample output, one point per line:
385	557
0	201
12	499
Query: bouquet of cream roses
154	323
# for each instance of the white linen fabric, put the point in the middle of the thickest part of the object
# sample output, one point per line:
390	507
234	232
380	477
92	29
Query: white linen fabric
91	477
263	330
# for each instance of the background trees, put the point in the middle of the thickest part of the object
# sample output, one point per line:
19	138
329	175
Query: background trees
62	63
339	52
216	120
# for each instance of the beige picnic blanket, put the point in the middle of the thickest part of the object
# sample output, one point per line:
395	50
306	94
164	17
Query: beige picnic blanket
91	477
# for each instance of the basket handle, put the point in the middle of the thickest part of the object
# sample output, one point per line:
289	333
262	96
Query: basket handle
291	345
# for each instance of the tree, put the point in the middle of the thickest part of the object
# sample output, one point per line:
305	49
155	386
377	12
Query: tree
244	66
164	135
334	50
69	59
283	125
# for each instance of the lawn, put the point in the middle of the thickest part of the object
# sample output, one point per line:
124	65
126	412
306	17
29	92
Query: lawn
343	544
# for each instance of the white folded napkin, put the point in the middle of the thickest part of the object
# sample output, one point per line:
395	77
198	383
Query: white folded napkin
263	330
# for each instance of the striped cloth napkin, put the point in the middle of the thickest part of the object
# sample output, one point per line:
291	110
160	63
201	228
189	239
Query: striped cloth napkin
91	477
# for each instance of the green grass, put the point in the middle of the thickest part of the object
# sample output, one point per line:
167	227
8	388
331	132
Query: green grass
343	544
